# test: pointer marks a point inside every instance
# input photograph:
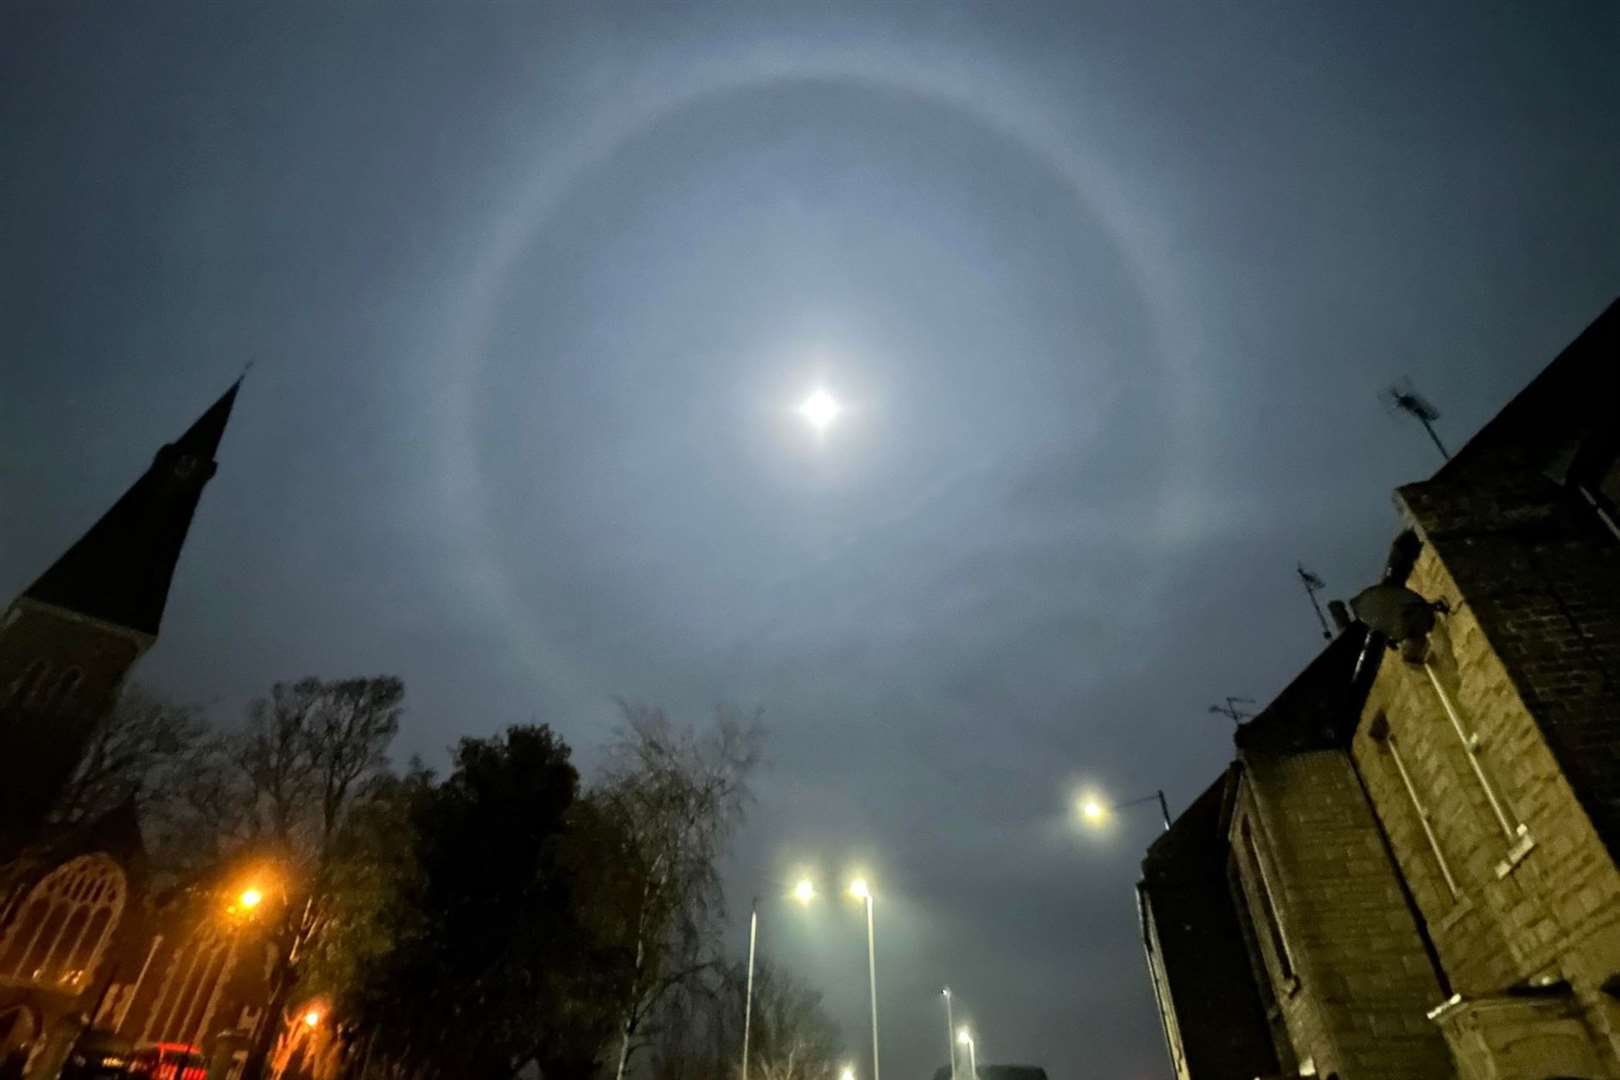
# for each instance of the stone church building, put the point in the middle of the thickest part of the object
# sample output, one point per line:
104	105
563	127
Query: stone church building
1409	870
96	950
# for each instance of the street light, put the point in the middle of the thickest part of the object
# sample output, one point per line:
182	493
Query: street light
863	892
1095	811
804	891
965	1037
312	1018
249	899
848	1073
950	1029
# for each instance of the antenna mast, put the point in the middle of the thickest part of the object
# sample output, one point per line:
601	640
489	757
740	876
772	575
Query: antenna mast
1231	709
1401	397
1314	584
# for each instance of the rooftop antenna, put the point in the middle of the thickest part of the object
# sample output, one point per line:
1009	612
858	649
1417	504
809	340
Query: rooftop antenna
1231	709
1313	585
1401	396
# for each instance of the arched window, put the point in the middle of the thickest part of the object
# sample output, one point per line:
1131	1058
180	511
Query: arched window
65	924
186	1000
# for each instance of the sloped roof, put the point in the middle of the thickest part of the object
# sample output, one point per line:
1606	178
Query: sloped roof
1319	708
1571	401
1196	840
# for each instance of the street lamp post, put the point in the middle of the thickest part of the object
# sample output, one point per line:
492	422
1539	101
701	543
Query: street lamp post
950	1031
748	1001
861	891
804	891
1094	811
965	1037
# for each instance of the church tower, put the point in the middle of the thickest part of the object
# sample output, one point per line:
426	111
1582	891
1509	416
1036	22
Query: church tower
69	640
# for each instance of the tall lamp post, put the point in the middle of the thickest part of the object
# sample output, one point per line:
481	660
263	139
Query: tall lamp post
1094	810
950	1031
861	891
965	1037
804	891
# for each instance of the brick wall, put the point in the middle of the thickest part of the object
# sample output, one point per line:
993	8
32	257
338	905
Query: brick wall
1362	982
1527	656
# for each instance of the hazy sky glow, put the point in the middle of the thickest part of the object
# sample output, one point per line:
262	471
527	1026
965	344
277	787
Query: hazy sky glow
1104	292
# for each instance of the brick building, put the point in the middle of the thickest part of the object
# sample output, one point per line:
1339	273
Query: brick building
1418	835
94	945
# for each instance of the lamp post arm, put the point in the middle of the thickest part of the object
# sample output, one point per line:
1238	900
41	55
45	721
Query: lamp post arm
1164	807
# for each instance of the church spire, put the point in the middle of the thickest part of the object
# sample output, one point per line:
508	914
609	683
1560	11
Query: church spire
119	572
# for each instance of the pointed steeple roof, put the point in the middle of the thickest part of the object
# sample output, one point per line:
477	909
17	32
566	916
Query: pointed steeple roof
119	572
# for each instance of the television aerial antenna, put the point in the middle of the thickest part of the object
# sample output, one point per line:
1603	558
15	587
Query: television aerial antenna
1314	585
1230	709
1402	397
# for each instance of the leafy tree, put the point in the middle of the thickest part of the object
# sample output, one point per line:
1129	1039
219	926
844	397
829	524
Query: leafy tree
373	860
678	794
313	751
489	959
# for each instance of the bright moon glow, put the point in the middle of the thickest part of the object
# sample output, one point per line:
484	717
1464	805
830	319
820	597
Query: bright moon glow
1092	809
820	409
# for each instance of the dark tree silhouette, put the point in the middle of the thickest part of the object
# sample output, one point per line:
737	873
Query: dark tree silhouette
490	968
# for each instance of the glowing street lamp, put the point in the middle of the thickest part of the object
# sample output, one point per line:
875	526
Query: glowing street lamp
1094	811
803	891
312	1018
249	899
848	1073
863	892
820	409
965	1037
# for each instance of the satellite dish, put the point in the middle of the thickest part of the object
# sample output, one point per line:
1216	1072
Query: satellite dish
1394	611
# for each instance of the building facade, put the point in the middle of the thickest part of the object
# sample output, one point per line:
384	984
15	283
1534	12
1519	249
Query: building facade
1420	832
94	947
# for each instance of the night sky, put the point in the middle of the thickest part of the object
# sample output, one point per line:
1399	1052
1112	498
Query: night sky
531	293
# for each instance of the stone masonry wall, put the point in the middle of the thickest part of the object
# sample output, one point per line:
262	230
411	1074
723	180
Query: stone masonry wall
1363	983
1525	656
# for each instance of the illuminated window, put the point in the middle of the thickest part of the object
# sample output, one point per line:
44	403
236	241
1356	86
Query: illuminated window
190	989
65	924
